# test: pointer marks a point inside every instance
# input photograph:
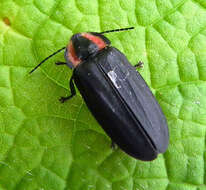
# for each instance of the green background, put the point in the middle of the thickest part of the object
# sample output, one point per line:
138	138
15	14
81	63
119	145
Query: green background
45	145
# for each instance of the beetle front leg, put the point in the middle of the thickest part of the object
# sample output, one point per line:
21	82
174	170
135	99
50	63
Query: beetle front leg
72	89
139	64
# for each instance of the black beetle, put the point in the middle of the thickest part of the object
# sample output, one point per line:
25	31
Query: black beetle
116	94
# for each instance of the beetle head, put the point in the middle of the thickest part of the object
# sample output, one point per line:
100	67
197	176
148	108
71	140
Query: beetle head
84	45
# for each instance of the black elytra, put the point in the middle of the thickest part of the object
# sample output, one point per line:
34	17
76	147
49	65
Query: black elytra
116	94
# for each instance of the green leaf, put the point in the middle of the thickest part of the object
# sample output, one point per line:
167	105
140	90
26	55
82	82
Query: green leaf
45	145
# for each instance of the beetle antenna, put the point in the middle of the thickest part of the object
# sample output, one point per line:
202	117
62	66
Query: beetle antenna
46	59
117	30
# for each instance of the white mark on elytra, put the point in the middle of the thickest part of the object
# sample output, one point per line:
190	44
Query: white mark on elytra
113	76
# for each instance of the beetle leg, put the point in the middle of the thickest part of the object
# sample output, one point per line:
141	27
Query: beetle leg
139	64
113	145
60	63
72	89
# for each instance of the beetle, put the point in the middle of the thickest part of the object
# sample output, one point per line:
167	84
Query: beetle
116	94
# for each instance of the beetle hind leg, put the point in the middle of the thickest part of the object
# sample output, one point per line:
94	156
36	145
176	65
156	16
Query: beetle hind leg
72	89
139	64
